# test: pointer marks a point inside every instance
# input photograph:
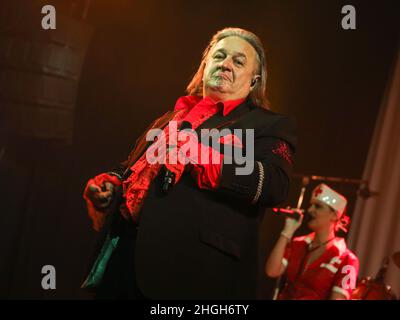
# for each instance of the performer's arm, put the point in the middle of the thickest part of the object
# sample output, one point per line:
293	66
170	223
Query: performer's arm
278	259
268	183
275	265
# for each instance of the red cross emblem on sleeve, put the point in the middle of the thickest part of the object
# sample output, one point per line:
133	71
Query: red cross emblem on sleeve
317	192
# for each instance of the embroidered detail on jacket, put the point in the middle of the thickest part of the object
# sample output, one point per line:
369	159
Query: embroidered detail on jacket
283	150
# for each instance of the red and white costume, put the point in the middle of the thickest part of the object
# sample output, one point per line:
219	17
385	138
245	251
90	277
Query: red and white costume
335	270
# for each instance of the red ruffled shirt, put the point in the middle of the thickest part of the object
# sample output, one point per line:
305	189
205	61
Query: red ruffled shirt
207	176
195	110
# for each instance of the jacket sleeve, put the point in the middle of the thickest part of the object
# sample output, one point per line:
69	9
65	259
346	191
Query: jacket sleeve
268	183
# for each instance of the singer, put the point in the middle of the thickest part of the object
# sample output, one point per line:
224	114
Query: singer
319	266
189	231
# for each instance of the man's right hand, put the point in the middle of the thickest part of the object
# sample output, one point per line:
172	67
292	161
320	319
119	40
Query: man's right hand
101	196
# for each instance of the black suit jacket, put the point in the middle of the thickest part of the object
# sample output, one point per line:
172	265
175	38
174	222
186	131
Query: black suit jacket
201	244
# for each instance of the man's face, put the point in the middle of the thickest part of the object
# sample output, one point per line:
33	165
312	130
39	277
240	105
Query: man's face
230	68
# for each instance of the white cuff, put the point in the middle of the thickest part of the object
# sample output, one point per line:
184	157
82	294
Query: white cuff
112	173
341	291
329	267
284	262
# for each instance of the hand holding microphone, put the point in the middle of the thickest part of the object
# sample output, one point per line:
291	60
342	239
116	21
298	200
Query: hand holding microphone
173	172
294	218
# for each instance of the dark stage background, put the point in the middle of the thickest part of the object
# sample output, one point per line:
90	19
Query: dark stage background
140	57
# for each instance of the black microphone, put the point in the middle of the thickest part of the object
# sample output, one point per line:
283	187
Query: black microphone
185	125
169	177
287	213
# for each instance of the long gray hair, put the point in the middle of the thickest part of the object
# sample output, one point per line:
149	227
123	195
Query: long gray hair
259	94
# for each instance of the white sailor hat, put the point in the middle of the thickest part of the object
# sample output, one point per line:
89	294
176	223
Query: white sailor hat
332	198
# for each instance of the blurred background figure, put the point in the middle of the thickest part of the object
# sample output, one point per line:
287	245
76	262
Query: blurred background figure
318	266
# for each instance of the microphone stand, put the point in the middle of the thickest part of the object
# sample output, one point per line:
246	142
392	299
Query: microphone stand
305	181
363	192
